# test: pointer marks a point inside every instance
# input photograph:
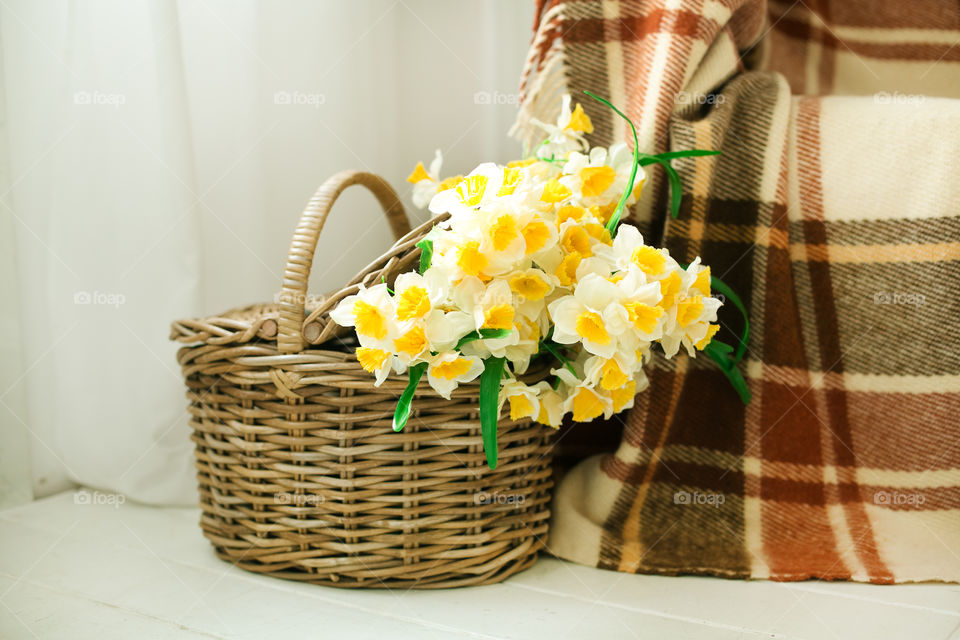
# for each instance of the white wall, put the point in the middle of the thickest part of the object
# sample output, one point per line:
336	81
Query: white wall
147	156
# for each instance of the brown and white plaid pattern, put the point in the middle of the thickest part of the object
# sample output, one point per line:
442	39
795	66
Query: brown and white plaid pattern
835	217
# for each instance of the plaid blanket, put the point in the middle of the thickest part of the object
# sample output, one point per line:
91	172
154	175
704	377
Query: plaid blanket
835	218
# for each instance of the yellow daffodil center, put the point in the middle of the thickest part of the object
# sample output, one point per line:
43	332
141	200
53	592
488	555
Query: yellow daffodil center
567	271
623	395
469	258
587	405
603	212
596	180
569	211
702	283
612	376
369	320
470	190
529	285
511	178
371	359
576	240
598	231
499	316
543	417
513	164
669	288
580	121
449	183
649	260
520	407
503	231
711	331
638	189
535	234
590	327
689	309
532	333
451	369
413	302
554	192
643	316
419	174
412	343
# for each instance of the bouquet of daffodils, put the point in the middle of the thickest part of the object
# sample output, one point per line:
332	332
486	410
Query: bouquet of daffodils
530	262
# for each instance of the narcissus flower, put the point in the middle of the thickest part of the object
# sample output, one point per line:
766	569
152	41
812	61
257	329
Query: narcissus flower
531	267
447	370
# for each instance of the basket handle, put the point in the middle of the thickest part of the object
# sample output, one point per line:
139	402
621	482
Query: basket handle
304	245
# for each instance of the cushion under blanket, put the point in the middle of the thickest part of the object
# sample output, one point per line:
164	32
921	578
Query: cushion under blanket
837	220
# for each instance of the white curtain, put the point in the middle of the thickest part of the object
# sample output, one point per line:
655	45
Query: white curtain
155	159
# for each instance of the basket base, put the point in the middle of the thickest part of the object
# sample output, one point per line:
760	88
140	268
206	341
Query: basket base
503	567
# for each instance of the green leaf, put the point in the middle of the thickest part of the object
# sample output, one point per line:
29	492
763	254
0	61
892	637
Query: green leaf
485	334
719	352
676	190
618	212
402	413
722	353
426	254
686	153
729	293
676	186
551	347
490	407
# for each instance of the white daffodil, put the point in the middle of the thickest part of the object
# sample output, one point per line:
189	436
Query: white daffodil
601	177
491	305
689	322
623	397
551	406
588	403
567	134
444	329
500	234
447	370
527	345
611	373
372	312
628	250
479	187
593	315
425	183
523	399
377	361
416	295
532	287
641	299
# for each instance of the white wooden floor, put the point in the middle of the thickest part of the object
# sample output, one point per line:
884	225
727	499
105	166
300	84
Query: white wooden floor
75	570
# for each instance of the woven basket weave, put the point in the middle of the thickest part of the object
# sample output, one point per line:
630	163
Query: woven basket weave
301	475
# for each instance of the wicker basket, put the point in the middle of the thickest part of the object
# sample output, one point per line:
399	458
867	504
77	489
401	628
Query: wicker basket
301	475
